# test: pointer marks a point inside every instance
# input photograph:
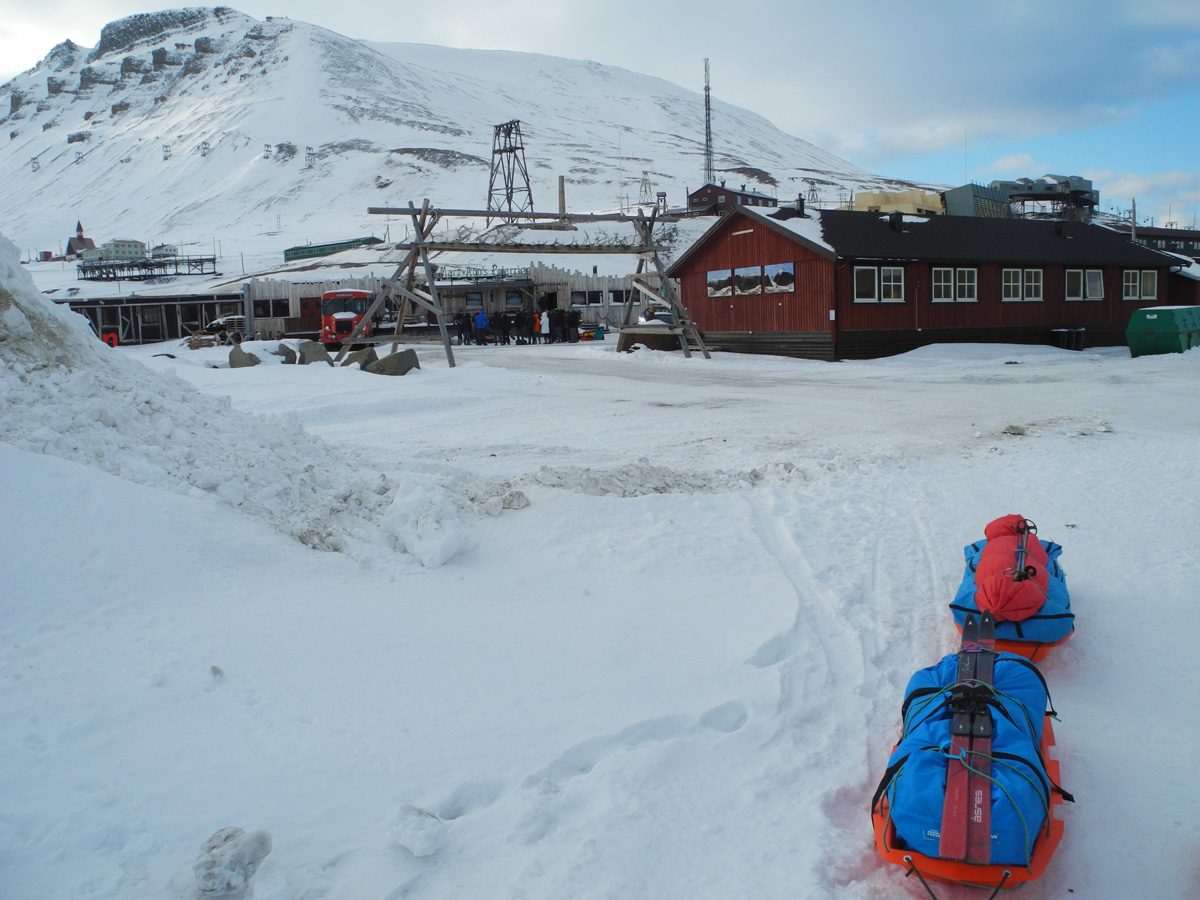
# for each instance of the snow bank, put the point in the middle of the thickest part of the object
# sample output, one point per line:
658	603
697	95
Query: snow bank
66	394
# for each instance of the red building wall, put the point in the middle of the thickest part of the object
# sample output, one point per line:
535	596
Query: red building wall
740	243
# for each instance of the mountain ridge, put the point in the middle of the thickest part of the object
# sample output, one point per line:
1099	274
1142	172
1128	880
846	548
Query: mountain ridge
188	124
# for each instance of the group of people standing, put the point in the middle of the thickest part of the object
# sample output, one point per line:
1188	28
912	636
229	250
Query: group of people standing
523	326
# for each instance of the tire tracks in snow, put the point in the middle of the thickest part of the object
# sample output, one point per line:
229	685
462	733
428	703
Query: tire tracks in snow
865	578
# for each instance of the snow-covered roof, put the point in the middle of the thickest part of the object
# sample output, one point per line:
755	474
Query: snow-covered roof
1188	267
807	228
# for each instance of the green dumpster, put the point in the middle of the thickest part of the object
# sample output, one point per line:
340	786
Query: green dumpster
1163	329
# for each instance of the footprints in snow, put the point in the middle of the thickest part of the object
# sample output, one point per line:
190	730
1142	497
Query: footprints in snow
582	758
423	831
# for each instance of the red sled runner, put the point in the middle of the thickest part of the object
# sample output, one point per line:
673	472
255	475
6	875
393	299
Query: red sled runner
971	793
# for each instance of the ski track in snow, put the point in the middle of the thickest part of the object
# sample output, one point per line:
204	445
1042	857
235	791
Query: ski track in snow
833	662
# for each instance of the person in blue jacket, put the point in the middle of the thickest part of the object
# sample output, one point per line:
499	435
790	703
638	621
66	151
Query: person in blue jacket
481	328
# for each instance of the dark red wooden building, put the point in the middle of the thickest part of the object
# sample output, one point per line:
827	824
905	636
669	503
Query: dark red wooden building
715	199
856	285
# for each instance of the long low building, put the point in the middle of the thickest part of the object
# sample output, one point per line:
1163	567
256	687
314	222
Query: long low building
286	299
853	285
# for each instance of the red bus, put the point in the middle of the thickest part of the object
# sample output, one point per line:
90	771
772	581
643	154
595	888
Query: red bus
341	311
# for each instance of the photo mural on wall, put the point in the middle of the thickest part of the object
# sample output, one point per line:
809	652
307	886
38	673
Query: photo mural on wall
720	283
748	280
779	276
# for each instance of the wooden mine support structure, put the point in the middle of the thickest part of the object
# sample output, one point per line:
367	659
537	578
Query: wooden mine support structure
646	251
402	284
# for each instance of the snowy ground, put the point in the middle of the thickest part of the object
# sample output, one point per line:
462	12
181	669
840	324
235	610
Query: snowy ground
323	608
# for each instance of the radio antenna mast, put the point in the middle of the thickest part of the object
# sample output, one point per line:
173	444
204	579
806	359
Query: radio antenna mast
708	147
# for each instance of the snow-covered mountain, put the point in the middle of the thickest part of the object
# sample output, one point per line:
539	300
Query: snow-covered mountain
196	124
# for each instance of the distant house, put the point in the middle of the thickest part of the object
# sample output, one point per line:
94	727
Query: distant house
855	285
307	251
79	244
163	250
714	199
116	251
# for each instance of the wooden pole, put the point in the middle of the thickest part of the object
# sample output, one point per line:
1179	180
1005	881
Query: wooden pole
430	280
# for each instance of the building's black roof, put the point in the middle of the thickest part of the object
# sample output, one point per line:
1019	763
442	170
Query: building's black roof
708	185
870	235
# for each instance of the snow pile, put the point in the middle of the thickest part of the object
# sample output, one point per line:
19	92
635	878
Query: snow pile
418	521
65	394
417	830
229	859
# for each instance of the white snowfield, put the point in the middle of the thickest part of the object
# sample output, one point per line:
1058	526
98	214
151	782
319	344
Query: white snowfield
311	602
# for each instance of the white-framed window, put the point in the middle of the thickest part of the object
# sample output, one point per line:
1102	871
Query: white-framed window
891	284
1010	286
866	284
1033	285
884	284
1021	284
943	285
1139	285
967	285
955	285
1085	284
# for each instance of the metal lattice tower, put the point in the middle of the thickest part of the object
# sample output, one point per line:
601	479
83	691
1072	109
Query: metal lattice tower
512	196
708	147
645	190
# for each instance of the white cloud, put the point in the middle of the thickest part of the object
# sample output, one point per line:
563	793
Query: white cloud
1163	195
1012	165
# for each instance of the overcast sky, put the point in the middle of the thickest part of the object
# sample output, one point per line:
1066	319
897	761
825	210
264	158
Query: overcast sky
943	91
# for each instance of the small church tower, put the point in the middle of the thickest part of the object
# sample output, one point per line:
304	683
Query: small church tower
79	243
